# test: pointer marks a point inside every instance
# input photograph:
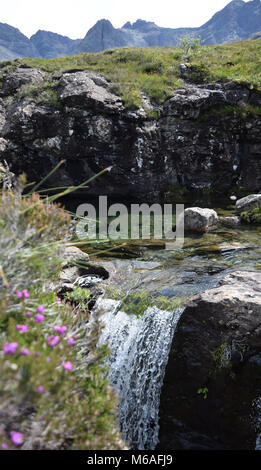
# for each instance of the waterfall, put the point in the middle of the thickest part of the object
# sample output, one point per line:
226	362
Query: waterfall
139	354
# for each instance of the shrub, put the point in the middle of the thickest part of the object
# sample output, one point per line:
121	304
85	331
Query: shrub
53	385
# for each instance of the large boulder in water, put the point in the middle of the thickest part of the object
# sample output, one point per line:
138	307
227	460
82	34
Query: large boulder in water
212	383
201	220
248	203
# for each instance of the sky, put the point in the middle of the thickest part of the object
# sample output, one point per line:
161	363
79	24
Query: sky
74	18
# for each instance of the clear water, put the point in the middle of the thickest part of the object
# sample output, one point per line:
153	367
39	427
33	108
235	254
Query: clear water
140	346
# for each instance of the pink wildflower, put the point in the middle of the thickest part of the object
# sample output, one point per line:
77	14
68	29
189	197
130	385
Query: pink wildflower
48	359
39	318
60	329
25	294
68	366
4	446
29	314
70	342
40	309
40	389
24	352
10	348
19	294
16	438
22	328
53	341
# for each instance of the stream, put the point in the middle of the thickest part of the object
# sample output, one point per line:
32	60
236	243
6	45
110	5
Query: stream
147	273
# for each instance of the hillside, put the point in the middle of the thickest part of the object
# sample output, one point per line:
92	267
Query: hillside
155	72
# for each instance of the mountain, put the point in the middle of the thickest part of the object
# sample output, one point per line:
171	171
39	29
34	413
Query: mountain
237	21
139	34
50	45
14	44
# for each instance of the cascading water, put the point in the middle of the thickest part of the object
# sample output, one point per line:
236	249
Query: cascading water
139	354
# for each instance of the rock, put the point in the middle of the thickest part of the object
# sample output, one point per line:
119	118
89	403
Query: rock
74	263
78	271
73	254
232	221
199	220
69	274
189	103
213	376
248	203
88	281
12	81
87	90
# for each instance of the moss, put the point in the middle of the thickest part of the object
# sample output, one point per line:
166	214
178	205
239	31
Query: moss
219	356
222	361
137	302
251	217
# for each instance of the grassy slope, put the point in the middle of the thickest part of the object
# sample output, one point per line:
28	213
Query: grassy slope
155	71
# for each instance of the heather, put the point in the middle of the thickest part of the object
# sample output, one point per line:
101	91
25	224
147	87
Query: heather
53	385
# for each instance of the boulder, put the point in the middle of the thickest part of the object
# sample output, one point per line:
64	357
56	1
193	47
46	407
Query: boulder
88	90
199	220
248	203
212	379
73	255
191	101
13	80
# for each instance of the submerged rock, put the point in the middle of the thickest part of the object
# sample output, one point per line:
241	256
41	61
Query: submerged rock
232	221
212	379
199	220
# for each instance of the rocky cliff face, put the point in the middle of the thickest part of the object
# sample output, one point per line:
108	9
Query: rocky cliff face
212	382
195	142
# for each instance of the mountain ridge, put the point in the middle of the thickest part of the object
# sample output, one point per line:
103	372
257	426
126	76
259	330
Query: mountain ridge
237	21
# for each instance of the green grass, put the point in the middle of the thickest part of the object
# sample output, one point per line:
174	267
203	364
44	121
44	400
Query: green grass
155	71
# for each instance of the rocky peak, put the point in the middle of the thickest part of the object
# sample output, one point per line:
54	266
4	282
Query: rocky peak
51	45
15	42
102	36
144	26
